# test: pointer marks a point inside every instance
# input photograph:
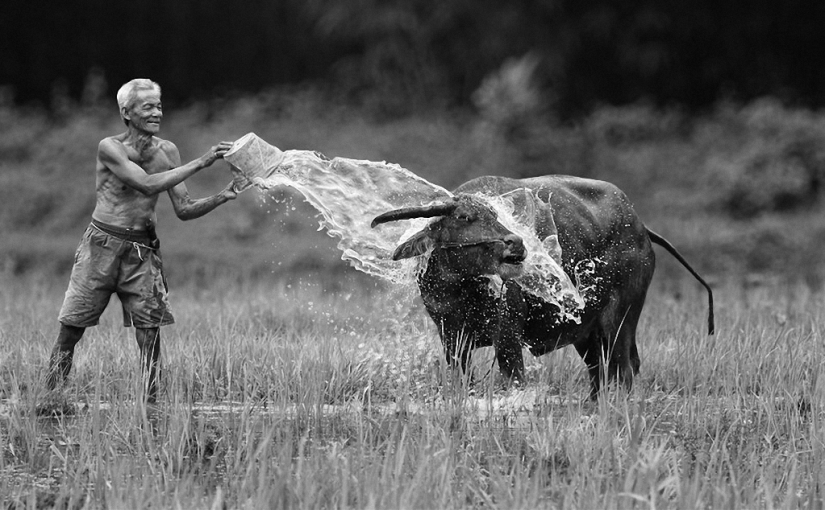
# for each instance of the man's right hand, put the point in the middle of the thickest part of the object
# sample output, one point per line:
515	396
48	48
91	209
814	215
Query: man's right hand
217	152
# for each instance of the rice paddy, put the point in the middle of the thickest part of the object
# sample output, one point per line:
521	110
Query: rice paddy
277	397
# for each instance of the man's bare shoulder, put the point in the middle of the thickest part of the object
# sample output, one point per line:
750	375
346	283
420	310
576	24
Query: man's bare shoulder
112	147
116	143
166	146
171	156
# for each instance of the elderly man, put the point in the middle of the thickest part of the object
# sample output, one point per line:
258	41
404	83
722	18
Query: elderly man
119	250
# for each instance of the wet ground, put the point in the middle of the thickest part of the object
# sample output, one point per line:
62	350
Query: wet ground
513	405
39	446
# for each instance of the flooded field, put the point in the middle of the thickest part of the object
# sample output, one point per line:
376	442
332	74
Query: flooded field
270	402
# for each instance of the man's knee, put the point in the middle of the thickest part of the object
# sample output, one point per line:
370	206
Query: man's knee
147	337
68	336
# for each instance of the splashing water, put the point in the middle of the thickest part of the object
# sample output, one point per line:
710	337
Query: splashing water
543	275
349	193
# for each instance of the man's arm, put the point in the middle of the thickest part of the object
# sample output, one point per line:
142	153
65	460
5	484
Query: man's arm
112	154
188	209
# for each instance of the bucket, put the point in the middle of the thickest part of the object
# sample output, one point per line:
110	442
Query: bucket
251	157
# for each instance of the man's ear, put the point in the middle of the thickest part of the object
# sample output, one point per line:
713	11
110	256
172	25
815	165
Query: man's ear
416	245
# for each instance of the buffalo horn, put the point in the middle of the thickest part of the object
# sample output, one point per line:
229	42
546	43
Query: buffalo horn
406	213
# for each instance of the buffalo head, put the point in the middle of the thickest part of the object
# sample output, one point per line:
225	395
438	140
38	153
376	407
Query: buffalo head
467	238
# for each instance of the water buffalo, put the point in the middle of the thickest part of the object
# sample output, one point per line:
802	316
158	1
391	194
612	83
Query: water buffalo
595	222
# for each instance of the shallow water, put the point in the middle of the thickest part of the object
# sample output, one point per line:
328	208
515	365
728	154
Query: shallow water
512	402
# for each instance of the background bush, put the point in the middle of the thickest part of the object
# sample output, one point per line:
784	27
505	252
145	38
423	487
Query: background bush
737	190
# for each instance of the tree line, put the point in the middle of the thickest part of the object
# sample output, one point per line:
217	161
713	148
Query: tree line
412	53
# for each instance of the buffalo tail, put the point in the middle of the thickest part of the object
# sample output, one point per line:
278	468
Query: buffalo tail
664	243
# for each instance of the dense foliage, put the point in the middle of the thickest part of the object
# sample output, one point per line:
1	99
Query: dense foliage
402	54
738	190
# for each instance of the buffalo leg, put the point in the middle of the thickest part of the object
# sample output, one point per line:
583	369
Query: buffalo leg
458	346
510	360
508	342
592	353
618	323
624	359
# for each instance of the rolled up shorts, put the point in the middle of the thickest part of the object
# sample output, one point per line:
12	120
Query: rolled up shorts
111	260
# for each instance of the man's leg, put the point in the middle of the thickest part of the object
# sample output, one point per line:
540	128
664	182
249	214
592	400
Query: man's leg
148	340
60	361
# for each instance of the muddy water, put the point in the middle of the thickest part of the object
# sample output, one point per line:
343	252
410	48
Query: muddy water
515	406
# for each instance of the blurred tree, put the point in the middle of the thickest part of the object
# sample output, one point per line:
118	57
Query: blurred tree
387	49
400	55
192	48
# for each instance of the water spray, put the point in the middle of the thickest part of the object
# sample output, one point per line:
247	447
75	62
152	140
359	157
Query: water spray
349	193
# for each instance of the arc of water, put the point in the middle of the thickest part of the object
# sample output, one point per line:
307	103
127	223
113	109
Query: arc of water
349	193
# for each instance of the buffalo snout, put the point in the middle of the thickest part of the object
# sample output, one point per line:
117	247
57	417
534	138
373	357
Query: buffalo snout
514	251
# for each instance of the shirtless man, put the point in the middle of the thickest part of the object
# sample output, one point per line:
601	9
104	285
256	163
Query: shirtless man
119	251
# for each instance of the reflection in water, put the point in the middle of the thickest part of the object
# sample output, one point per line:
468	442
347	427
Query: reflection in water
71	429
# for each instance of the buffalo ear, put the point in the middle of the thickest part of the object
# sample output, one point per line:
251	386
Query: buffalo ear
416	245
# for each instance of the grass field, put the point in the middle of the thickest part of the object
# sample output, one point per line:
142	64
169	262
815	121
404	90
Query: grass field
291	380
294	397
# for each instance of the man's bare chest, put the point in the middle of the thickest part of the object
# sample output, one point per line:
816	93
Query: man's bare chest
152	162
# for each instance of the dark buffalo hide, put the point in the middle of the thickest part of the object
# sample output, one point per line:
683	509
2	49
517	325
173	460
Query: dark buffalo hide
596	225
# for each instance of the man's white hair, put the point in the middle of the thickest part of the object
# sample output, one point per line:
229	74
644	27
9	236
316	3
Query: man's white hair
127	93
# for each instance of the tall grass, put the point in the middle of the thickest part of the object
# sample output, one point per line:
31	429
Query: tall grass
292	381
335	401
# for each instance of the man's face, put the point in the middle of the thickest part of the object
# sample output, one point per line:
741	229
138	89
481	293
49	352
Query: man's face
146	111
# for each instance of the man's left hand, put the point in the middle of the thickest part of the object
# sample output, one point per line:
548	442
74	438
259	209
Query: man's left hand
229	192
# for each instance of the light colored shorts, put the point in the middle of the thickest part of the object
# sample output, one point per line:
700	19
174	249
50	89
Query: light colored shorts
106	264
